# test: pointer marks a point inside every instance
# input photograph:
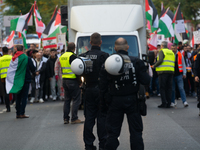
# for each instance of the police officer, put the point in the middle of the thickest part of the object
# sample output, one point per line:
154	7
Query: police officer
122	90
4	64
165	69
92	101
196	77
71	85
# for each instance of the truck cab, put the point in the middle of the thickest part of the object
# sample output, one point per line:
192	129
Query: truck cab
124	18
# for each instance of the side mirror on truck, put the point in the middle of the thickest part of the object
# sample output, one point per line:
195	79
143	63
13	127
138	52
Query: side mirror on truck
149	57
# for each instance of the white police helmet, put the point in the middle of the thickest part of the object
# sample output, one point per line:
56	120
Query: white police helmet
77	66
117	64
81	65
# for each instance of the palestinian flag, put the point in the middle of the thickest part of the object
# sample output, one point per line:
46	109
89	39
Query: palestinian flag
16	73
19	35
153	42
21	23
10	39
165	24
177	36
40	26
179	21
186	35
53	27
23	34
162	10
151	14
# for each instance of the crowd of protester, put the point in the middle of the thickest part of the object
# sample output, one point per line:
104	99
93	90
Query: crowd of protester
46	82
190	87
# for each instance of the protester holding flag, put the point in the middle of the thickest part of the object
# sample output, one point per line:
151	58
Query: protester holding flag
19	78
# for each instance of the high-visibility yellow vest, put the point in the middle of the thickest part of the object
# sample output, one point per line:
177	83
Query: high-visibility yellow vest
168	61
65	66
4	64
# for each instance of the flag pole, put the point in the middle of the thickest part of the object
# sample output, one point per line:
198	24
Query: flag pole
39	43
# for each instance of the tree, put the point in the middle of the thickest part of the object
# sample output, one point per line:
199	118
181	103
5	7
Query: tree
46	9
189	8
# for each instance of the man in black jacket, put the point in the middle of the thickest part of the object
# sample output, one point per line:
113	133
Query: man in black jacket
51	73
119	93
33	84
92	100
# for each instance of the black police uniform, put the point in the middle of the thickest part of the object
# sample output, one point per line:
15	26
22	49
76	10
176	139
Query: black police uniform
122	99
92	101
196	70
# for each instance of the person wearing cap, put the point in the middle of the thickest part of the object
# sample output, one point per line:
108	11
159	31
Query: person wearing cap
71	86
4	64
50	65
118	90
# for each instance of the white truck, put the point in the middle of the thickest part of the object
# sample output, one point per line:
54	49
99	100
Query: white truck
112	19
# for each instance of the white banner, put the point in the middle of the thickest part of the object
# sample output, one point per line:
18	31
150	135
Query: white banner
196	35
179	26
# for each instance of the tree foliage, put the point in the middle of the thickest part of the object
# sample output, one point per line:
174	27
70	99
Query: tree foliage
189	8
46	9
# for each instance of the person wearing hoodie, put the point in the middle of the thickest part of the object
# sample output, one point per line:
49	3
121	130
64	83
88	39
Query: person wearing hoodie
50	65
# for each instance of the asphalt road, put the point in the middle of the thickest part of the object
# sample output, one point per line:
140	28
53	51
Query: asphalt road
164	129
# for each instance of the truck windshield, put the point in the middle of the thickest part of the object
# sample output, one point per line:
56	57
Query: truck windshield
108	44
